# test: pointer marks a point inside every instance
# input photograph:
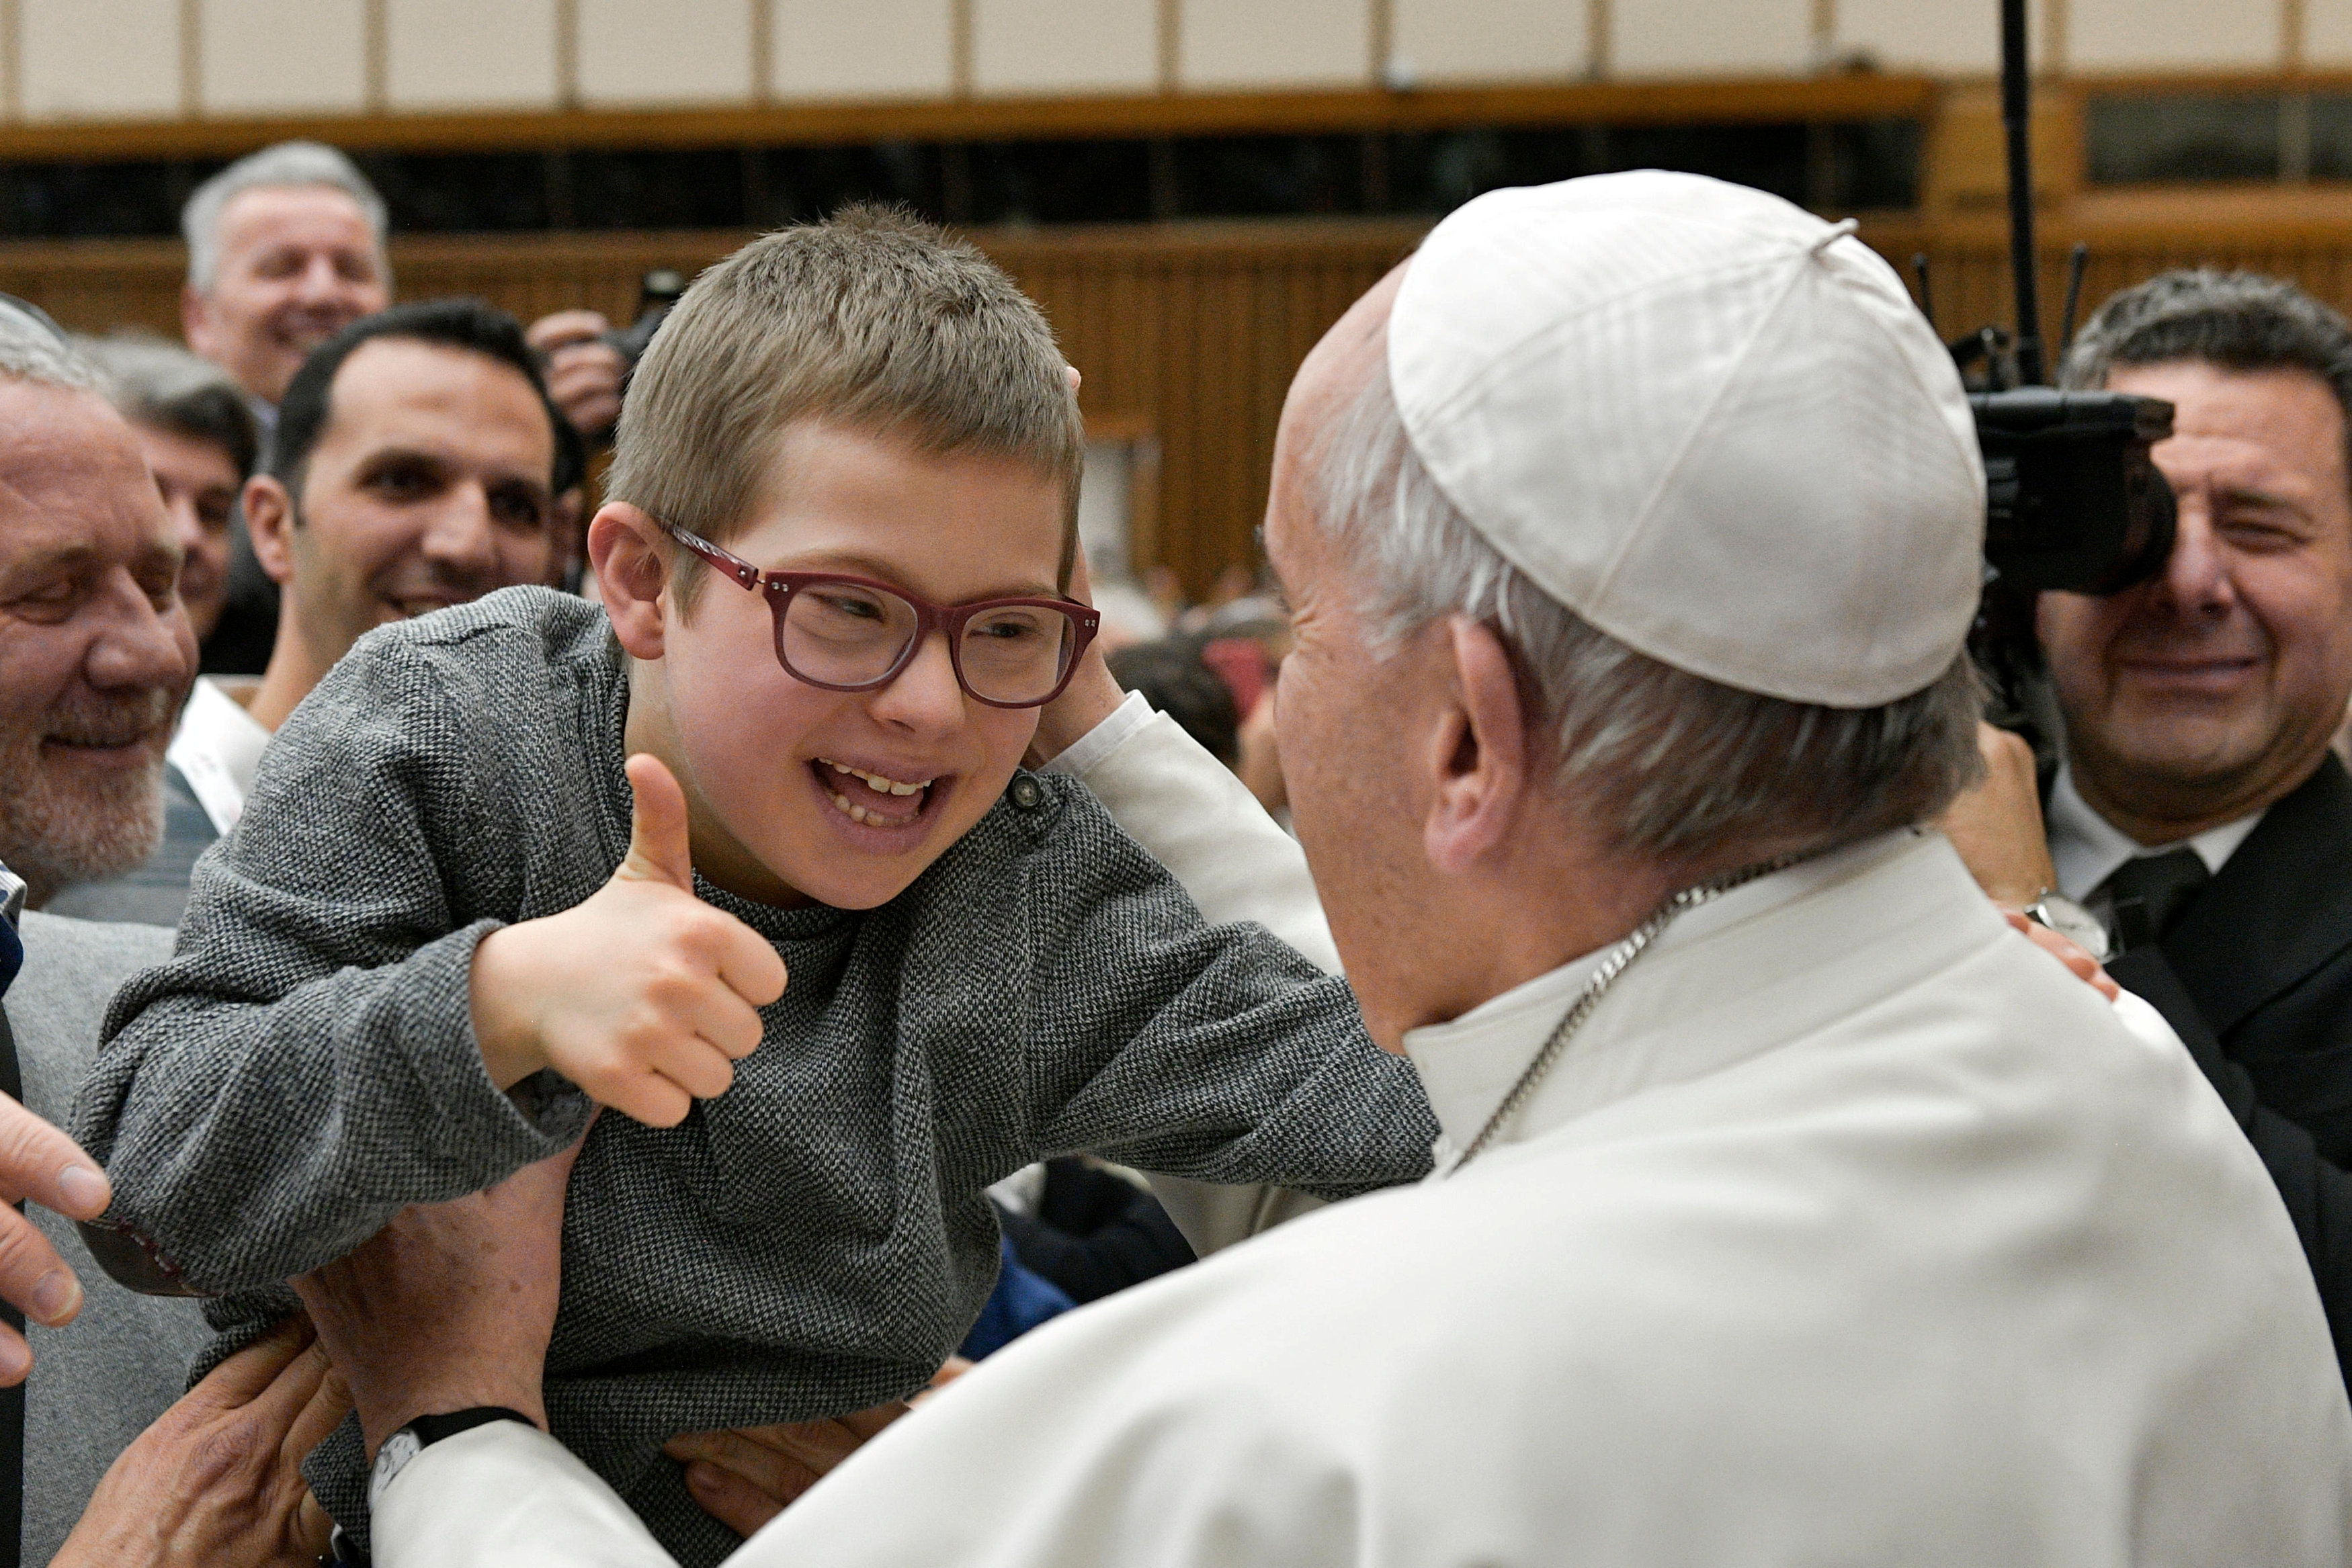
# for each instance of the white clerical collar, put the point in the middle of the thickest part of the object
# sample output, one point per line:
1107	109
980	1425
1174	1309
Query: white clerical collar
2085	849
1469	1064
217	749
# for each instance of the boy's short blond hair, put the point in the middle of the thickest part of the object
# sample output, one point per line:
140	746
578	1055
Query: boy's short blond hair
873	319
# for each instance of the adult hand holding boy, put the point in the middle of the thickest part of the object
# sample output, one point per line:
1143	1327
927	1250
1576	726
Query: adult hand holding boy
642	995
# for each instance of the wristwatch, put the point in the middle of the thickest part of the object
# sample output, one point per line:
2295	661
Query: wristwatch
422	1434
2058	912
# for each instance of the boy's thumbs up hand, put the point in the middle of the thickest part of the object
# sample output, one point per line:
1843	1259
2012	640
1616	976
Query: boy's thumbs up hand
643	996
659	848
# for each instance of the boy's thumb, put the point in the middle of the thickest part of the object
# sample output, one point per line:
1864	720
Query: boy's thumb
659	850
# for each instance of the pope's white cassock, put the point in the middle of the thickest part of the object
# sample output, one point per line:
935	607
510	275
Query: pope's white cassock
1850	1229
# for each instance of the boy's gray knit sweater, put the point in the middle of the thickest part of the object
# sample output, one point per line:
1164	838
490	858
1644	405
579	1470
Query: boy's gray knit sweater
813	1241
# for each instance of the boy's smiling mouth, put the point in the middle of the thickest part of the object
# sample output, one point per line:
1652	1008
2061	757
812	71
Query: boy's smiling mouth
876	799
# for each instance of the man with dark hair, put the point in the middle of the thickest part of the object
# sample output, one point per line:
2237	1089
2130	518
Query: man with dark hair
414	466
201	442
2198	810
1173	679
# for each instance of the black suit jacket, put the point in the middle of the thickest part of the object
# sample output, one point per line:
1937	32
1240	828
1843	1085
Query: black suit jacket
2256	978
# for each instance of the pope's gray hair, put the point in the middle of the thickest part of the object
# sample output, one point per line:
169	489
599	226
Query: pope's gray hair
286	163
1670	765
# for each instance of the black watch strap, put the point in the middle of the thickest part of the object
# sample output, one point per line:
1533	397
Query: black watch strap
431	1429
424	1431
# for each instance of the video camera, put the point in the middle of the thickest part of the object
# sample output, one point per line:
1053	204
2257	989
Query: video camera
2074	501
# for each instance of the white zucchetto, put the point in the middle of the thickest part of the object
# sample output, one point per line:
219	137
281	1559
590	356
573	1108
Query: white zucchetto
1706	420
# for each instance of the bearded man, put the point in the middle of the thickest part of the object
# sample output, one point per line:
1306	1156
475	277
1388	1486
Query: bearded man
96	652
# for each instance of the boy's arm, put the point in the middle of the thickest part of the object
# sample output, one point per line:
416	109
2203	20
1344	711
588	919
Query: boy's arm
306	1067
1213	1052
1202	822
1199	819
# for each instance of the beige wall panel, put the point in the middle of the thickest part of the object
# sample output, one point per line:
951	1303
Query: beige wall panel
666	51
1488	40
872	49
463	54
1954	39
2327	34
1709	38
283	57
1064	45
2172	35
1274	43
113	59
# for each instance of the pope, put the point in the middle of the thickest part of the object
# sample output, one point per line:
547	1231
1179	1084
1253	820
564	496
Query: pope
1790	1207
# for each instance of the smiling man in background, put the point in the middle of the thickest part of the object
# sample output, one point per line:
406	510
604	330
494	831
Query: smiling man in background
413	467
2199	812
96	652
198	436
285	249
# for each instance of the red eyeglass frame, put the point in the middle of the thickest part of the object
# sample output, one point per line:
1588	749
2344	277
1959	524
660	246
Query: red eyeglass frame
948	619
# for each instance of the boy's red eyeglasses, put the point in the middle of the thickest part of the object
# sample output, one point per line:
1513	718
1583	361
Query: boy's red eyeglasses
853	634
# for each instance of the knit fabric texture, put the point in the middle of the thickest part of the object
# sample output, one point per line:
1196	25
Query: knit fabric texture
813	1241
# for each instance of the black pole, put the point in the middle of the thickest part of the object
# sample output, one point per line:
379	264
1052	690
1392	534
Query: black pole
2016	108
2076	260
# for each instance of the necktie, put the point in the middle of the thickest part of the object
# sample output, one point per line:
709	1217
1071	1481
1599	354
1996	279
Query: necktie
2146	895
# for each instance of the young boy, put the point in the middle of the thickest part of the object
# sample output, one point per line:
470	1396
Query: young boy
843	978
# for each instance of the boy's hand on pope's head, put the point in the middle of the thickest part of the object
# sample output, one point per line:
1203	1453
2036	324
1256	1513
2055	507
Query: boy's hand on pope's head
1092	696
643	995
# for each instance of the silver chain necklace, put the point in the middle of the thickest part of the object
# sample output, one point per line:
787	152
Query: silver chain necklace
1619	960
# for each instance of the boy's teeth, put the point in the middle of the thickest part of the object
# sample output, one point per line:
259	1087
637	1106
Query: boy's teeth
874	781
860	814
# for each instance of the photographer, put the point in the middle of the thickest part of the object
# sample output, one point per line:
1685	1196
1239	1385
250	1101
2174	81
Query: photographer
588	361
2197	812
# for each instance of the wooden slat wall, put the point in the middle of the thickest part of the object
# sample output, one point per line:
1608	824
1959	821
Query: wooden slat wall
1191	333
1968	262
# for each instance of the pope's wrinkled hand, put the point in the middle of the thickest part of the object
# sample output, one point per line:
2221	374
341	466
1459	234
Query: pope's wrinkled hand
643	996
452	1305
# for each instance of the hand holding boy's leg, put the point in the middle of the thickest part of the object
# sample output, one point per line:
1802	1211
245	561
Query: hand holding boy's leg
216	1483
746	1476
643	996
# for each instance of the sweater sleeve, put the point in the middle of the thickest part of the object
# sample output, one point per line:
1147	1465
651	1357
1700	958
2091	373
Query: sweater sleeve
1195	818
305	1066
1212	1052
1202	822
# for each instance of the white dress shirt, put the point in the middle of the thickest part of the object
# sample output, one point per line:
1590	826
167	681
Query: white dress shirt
2085	849
1850	1228
217	748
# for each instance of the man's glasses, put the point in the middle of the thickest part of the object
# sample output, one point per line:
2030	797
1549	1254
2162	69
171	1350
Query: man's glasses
853	634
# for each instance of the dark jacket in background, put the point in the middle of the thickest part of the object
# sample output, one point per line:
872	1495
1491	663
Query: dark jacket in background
2256	977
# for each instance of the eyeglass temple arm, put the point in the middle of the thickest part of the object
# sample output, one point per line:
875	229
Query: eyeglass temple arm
735	566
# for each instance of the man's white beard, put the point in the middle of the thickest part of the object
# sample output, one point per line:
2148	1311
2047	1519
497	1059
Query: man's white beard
54	833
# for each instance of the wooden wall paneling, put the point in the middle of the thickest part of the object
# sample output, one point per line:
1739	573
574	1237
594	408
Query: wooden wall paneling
1762	99
1193	332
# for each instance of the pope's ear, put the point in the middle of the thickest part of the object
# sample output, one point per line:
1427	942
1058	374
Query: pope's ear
626	547
1480	750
